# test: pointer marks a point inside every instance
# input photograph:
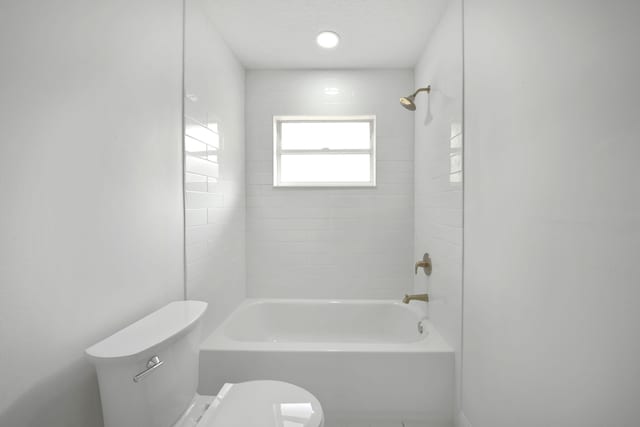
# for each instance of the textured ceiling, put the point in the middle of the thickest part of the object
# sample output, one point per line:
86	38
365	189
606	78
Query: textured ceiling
281	33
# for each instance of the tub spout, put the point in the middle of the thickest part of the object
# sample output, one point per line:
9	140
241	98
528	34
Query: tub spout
417	297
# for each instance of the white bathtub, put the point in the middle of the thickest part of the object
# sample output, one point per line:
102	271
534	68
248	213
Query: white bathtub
357	356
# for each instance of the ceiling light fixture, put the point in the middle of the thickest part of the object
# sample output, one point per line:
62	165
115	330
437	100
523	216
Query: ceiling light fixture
328	39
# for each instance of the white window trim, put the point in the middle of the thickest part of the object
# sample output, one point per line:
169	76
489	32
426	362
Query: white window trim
278	151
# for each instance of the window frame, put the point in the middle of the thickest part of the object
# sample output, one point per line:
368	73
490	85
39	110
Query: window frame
278	151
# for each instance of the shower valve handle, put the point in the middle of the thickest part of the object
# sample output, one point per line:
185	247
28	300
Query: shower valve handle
424	264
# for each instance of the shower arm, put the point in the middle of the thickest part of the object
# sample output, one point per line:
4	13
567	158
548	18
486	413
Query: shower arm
422	89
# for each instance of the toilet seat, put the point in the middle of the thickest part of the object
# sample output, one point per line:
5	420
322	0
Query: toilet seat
263	404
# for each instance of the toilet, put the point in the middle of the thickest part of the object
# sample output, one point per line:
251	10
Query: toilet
148	377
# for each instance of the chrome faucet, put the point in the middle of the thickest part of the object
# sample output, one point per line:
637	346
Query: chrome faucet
417	297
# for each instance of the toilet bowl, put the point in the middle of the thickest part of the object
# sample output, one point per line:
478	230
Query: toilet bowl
148	377
256	404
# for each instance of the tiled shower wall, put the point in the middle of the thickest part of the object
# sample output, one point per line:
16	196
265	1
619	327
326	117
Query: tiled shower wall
438	175
330	242
215	192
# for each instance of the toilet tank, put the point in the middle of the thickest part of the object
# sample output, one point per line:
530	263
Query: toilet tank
138	390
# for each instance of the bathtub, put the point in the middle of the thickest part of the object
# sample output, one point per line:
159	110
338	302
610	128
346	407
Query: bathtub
373	357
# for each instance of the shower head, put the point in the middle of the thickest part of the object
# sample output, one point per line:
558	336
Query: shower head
408	102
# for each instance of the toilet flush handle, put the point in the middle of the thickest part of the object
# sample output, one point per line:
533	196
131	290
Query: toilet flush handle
153	364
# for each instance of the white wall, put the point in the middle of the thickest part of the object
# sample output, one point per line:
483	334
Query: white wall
330	243
90	167
552	213
438	183
215	213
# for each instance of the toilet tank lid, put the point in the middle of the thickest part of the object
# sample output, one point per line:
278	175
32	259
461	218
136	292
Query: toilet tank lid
172	320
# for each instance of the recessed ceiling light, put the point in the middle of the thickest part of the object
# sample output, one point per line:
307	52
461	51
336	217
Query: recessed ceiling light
328	39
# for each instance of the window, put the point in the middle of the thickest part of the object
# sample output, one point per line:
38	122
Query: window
324	151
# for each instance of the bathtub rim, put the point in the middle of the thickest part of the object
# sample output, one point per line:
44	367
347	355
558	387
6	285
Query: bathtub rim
433	342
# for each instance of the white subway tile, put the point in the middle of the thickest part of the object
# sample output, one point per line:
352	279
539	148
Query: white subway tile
201	166
195	217
200	200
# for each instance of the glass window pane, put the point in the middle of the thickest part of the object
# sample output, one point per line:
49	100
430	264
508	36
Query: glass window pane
325	168
319	135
